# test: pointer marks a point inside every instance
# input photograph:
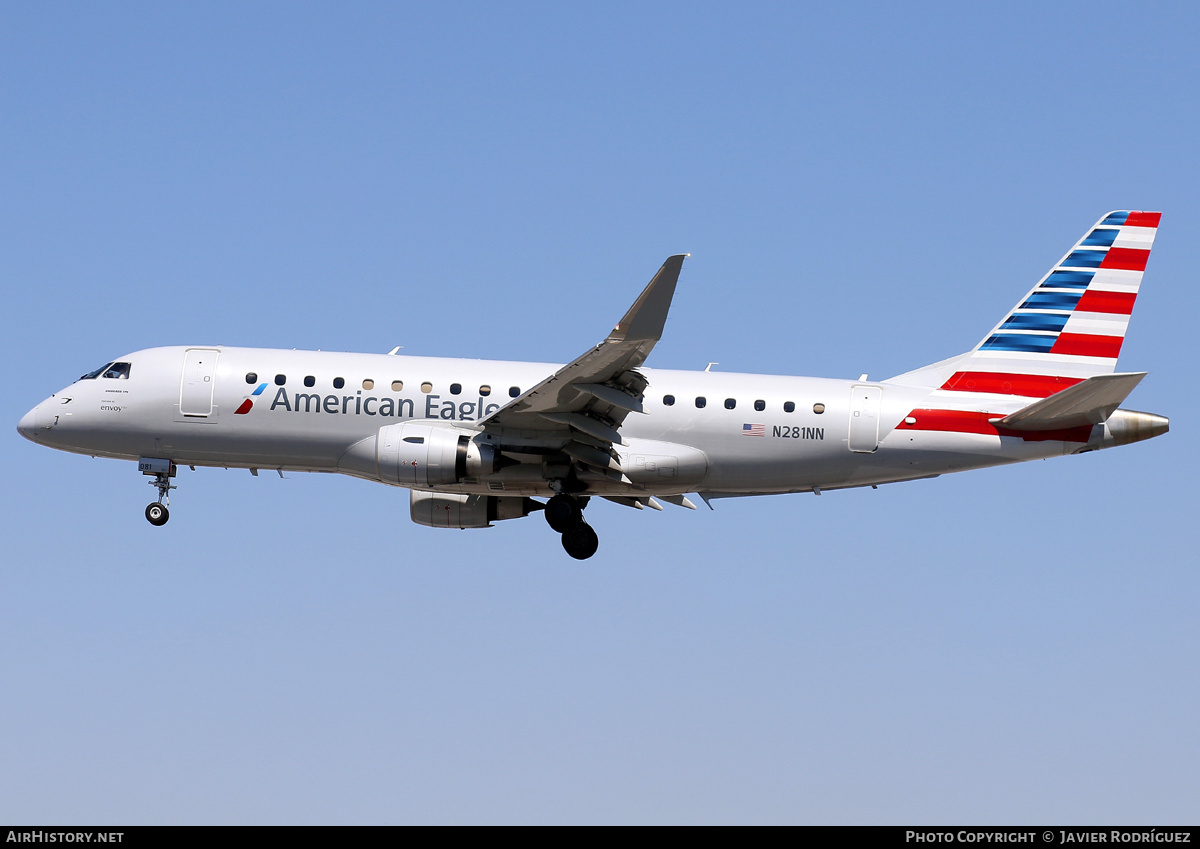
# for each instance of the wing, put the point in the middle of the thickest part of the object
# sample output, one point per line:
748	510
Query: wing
580	408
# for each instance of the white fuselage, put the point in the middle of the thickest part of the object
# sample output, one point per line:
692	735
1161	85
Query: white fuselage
810	433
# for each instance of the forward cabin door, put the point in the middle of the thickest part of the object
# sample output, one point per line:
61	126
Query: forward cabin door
199	380
864	418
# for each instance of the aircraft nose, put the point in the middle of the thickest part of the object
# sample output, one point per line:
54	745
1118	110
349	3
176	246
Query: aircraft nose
38	422
27	427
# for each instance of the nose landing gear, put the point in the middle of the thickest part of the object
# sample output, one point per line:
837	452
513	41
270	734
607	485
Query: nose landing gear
564	513
163	470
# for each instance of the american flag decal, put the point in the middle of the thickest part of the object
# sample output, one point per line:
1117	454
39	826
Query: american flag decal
754	430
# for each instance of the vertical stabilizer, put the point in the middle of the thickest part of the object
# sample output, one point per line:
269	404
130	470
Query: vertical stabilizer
1068	328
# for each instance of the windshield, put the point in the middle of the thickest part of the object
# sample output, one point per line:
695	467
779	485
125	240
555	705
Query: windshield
118	371
92	375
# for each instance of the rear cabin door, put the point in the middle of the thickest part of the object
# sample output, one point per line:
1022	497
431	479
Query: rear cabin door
199	379
864	418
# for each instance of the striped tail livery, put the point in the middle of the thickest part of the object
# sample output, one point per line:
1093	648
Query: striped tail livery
1068	327
1057	348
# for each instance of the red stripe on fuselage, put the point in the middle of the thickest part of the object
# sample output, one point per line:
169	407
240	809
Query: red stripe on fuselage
245	408
1120	303
1028	385
953	421
1086	345
1143	219
1129	259
971	421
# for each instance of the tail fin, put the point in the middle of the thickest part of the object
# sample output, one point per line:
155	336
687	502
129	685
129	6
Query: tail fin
1068	328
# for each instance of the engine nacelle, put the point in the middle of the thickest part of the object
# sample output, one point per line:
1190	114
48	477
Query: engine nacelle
451	510
412	454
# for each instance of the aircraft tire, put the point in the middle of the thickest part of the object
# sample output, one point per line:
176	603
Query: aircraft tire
562	513
580	541
157	514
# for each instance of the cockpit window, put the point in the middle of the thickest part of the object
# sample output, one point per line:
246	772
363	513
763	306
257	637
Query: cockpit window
120	371
92	375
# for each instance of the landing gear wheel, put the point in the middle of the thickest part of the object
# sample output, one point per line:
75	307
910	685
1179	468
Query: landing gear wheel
580	541
157	514
563	512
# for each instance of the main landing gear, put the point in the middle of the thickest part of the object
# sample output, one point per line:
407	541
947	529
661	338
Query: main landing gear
564	513
163	470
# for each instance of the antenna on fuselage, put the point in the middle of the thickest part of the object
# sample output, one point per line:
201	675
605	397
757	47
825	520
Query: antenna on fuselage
710	365
392	352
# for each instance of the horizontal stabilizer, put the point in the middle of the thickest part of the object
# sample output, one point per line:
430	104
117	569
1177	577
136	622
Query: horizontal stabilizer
1088	402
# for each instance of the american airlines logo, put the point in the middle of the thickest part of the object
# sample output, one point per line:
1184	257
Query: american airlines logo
248	404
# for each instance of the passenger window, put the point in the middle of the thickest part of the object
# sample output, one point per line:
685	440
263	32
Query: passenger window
455	388
668	400
818	408
368	384
789	406
730	403
514	391
280	379
397	385
251	377
701	401
309	380
427	387
338	382
759	406
485	390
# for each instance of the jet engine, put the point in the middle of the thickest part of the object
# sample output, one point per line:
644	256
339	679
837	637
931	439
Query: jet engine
421	455
451	510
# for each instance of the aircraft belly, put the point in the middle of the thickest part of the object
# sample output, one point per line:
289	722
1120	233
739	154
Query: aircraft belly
899	456
285	449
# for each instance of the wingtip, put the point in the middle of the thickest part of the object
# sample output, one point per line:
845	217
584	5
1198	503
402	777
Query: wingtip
646	318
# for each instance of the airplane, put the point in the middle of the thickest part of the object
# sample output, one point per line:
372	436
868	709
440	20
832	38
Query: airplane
481	441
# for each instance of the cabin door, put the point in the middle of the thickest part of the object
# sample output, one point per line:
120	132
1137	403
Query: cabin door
864	418
198	383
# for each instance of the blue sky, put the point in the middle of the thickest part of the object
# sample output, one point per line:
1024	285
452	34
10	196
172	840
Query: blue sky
866	188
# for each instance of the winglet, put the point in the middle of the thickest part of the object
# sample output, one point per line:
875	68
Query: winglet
648	315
